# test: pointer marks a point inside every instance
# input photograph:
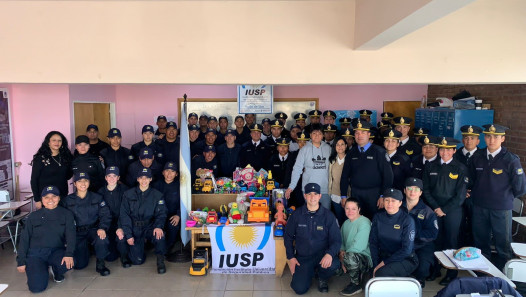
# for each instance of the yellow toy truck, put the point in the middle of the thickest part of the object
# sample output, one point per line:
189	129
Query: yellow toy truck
207	187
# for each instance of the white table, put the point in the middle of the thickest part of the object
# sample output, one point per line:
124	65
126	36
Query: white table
520	220
519	249
7	211
493	271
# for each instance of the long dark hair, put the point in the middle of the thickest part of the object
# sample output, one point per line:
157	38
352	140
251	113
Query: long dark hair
45	152
334	154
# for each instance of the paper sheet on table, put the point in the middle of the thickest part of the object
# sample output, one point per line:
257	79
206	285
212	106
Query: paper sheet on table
474	264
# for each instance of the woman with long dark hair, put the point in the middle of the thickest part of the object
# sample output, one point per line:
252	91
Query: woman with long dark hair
51	166
337	159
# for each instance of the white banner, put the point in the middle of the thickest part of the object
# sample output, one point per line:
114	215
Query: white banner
243	249
255	99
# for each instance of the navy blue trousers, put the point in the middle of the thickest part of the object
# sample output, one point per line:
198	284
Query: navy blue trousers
116	247
140	235
82	252
37	263
302	277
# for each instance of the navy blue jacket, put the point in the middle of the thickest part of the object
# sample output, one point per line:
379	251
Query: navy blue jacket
445	185
314	233
494	185
170	150
113	200
401	166
459	155
410	148
426	225
392	237
91	165
89	211
482	285
157	150
142	208
256	157
200	162
171	196
228	159
135	167
121	158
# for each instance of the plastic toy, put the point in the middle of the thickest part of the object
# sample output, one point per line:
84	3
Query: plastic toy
280	216
235	216
208	186
270	182
290	210
190	223
278	230
223	211
212	217
199	262
223	220
259	211
198	185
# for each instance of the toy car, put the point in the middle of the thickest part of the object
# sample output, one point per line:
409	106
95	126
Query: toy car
212	217
197	185
223	220
270	185
259	211
199	262
207	187
278	230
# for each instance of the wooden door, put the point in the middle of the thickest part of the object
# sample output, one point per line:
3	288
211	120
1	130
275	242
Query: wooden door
402	108
92	113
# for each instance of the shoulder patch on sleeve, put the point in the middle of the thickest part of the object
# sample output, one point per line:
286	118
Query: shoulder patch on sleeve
161	202
520	171
412	235
130	157
466	180
102	203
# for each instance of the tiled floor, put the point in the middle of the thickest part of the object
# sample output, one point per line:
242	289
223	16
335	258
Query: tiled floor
142	281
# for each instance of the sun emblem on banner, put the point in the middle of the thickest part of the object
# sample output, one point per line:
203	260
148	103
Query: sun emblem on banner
243	236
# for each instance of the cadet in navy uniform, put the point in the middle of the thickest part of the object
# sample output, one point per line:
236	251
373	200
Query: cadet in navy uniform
314	119
318	241
147	141
169	144
112	194
117	155
161	127
275	132
265	132
95	144
228	154
255	152
279	163
93	220
83	161
193	135
142	217
242	132
408	145
207	160
282	118
365	115
300	119
400	162
146	160
223	128
429	154
367	171
418	133
48	239
169	187
426	227
497	178
391	241
345	123
445	182
203	126
192	118
210	139
329	133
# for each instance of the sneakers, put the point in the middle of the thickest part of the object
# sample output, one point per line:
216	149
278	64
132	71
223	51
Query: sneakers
323	286
350	290
161	268
101	268
58	278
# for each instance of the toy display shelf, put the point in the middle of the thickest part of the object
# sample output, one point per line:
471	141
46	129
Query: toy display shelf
212	201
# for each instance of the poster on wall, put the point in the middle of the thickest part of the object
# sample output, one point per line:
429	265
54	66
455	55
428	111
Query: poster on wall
243	249
256	99
6	159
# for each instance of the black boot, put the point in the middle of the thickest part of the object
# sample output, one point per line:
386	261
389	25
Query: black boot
161	268
101	268
125	261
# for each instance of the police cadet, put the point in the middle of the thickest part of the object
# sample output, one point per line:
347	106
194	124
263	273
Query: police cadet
265	132
223	127
117	155
400	162
318	241
207	160
348	135
142	217
429	154
146	160
92	220
391	241
255	152
408	145
112	194
279	163
445	182
242	133
250	119
161	127
169	187
314	119
329	117
147	142
95	144
193	135
367	171
329	132
169	144
48	239
345	123
419	132
426	227
365	115
300	119
192	118
294	129
386	117
88	163
228	154
212	123
275	129
282	117
203	126
497	178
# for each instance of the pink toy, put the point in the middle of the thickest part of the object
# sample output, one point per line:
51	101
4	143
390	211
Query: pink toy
280	216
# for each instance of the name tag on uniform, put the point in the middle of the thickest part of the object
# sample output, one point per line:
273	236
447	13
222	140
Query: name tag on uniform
249	150
453	176
354	158
397	227
276	165
302	225
396	163
370	157
433	173
479	169
497	171
319	228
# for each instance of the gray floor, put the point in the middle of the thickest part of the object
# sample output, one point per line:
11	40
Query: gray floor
144	281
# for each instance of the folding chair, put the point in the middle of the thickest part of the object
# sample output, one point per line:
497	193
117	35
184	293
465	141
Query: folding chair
393	287
515	270
518	206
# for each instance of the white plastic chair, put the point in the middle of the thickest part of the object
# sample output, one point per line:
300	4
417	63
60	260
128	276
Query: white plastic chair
518	207
393	287
515	270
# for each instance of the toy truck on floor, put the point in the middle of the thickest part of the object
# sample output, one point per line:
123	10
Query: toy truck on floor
259	211
199	262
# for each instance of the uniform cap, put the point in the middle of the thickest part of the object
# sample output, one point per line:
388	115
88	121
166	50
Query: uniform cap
82	139
193	128
146	153
470	130
114	132
393	193
420	131
414	182
161	117
145	172
329	128
391	134
448	142
112	170
402	121
281	116
171	166
386	115
92	126
283	141
192	114
80	175
329	113
345	120
347	133
256	127
365	113
147	128
212	118
363	125
302	136
230	132
300	116
50	190
209	148
276	123
312	187
171	124
315	113
265	120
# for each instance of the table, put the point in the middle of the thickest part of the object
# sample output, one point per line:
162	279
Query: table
8	209
519	249
520	220
493	271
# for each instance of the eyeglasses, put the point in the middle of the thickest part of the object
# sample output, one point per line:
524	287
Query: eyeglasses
413	189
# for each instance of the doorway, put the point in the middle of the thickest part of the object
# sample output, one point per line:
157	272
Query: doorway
100	114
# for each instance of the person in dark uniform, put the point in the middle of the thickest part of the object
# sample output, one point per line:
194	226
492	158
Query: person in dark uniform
367	171
212	123
143	216
223	127
169	144
282	117
400	162
169	187
207	160
471	140
147	141
193	118
117	155
51	166
48	239
329	117
255	152
88	163
329	133
444	191
95	144
365	115
418	132
497	177
242	133
314	119
146	160
228	154
203	126
161	127
300	119
345	123
429	154
318	241
250	119
294	129
265	132
348	135
112	194
279	163
193	135
391	241
408	145
275	128
386	117
426	227
92	220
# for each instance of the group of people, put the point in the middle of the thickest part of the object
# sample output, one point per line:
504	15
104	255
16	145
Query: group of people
370	200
